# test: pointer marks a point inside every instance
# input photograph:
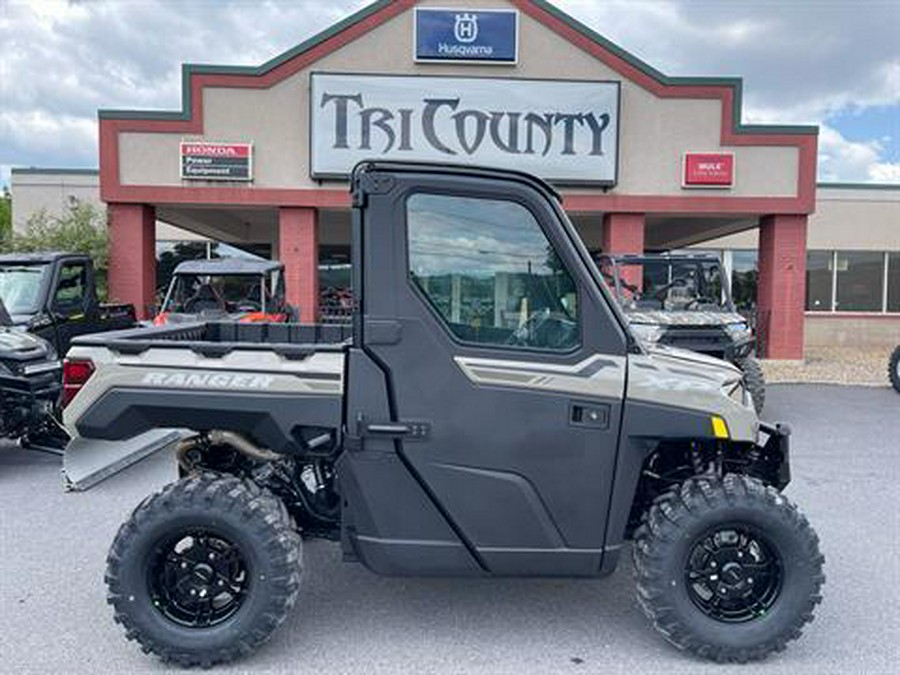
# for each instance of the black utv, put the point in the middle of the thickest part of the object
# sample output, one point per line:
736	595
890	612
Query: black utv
684	301
30	386
489	412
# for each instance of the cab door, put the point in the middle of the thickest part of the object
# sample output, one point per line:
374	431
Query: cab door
506	368
70	303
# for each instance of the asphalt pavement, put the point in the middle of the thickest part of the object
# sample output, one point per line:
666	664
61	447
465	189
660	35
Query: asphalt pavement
846	468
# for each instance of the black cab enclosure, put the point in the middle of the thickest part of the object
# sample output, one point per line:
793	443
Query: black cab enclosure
54	295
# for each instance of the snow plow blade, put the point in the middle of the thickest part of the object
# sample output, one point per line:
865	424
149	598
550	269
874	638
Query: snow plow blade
87	462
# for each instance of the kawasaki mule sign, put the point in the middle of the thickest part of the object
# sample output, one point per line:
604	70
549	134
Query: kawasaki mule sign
566	132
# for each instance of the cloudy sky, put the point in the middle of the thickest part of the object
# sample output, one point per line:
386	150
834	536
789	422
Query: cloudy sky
828	62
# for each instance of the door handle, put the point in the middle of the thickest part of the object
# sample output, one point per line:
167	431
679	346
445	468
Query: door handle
413	431
590	415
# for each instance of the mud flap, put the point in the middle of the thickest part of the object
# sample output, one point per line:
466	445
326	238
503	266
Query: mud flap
777	444
88	461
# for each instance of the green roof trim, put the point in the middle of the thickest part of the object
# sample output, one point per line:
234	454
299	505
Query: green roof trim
859	186
189	69
42	171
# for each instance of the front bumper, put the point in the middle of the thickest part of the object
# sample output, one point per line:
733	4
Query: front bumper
775	442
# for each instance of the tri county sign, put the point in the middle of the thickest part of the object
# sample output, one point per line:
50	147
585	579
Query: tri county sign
566	132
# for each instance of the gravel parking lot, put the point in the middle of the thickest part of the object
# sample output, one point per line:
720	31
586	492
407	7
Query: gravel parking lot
845	462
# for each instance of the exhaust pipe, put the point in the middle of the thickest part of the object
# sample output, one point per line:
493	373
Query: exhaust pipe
218	437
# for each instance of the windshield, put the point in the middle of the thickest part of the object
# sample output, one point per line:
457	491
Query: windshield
195	293
667	285
20	287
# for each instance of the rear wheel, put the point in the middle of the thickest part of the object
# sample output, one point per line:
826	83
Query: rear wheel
894	369
204	570
727	569
755	380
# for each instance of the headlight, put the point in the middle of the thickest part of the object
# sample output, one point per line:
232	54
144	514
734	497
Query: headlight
647	332
738	331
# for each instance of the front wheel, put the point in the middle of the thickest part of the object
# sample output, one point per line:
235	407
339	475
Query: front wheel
755	380
727	568
894	369
204	570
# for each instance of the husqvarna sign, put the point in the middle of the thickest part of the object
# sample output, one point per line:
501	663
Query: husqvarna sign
466	35
564	131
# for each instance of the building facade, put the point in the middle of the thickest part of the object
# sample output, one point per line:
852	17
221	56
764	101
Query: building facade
258	157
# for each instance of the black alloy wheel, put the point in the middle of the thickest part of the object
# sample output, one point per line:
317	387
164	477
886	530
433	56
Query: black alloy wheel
197	579
204	570
727	568
733	574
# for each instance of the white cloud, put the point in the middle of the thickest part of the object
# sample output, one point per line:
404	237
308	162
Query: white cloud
841	159
801	61
885	172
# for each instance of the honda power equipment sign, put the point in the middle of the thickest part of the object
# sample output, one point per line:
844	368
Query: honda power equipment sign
490	36
565	132
708	169
201	160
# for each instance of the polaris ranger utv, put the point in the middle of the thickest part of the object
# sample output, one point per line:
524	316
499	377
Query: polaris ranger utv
685	301
54	296
30	387
250	291
489	413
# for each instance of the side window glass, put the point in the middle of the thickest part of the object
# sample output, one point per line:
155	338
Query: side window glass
490	273
72	286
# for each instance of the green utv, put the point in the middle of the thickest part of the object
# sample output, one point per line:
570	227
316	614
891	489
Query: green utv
489	413
685	301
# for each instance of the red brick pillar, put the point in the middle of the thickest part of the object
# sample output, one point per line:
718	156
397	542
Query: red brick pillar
781	291
298	249
624	233
132	255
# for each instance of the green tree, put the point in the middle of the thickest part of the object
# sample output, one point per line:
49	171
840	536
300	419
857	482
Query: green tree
5	217
82	229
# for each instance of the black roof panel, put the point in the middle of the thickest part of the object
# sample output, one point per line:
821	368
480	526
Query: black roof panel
222	266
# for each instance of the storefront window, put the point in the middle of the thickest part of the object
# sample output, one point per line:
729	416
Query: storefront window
335	288
860	281
893	299
169	254
744	278
818	281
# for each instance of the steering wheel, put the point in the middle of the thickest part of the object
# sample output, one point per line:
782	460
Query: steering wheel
543	328
677	282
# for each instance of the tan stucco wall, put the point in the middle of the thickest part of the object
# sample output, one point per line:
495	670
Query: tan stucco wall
654	132
53	193
56	191
846	219
829	331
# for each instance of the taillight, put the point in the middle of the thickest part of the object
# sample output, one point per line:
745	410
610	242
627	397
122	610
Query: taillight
76	372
